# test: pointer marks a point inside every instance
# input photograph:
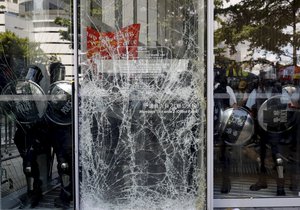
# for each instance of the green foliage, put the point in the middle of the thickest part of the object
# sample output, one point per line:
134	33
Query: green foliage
12	46
263	23
68	24
18	52
62	21
64	34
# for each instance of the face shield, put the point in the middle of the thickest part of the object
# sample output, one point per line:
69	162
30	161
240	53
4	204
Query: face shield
34	74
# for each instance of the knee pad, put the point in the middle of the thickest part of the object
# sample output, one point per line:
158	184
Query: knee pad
27	169
63	167
279	161
65	177
279	167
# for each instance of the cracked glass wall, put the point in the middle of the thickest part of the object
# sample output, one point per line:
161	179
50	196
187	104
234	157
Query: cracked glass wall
142	106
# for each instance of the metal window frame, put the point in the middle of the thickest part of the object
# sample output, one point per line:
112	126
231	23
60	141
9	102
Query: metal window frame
210	102
76	105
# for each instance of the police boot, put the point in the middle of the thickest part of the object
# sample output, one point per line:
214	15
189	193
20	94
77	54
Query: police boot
260	184
262	181
280	179
280	187
226	184
26	200
36	193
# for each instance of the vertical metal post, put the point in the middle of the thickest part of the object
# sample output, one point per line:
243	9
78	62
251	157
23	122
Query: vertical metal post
210	102
76	94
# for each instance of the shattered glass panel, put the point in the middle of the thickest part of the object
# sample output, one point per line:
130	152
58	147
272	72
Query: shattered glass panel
142	106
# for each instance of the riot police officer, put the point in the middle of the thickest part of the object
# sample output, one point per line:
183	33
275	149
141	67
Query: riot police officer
267	91
30	136
31	142
224	98
59	115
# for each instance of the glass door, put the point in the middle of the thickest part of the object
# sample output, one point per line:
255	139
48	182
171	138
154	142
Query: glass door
142	105
256	103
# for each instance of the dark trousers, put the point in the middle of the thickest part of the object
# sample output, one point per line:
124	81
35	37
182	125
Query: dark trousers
63	145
